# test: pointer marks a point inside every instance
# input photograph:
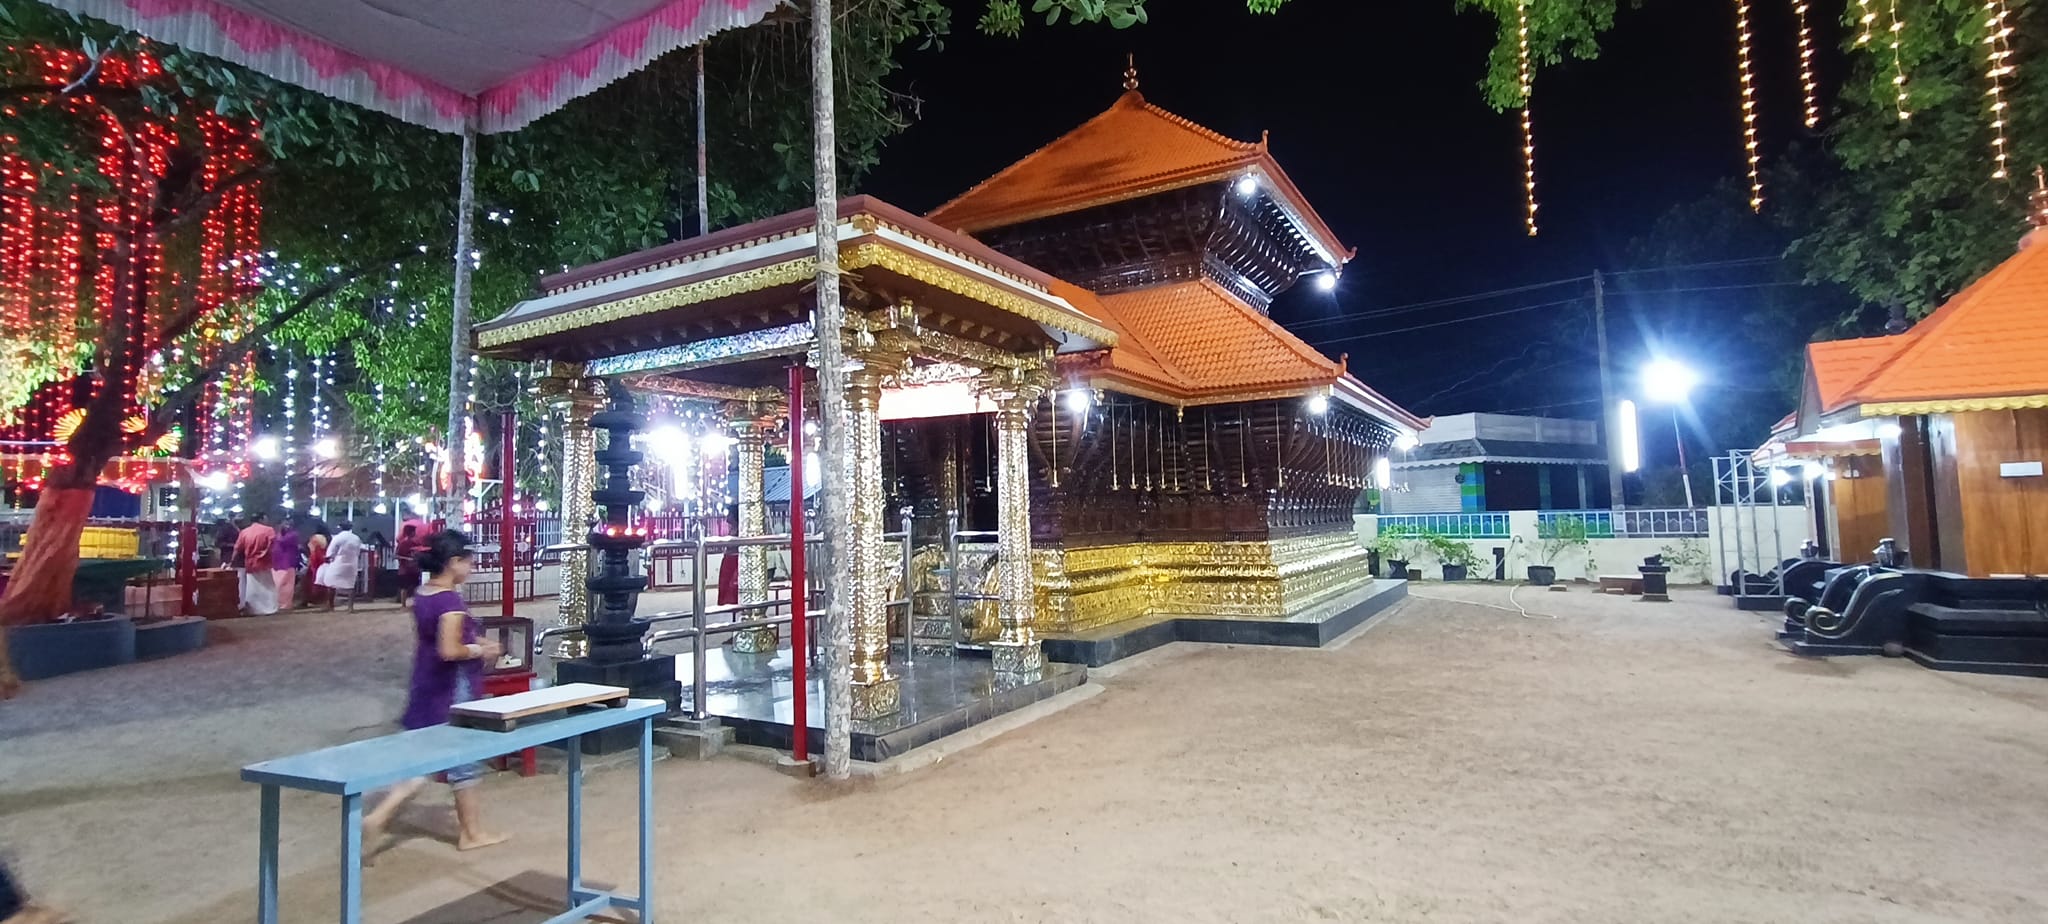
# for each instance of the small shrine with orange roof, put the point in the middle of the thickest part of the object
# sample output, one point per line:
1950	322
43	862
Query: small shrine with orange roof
1067	372
1937	435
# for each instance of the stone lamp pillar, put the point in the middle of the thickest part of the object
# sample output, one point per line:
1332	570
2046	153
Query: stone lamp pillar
615	657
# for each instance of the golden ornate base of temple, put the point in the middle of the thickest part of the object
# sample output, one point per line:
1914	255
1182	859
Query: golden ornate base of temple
1080	589
756	641
876	699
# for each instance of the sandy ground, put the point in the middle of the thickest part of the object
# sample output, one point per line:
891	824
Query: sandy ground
1625	762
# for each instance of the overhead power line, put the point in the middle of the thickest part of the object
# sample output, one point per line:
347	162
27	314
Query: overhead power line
1388	310
1552	304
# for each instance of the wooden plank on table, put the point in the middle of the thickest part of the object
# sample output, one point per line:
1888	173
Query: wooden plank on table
503	713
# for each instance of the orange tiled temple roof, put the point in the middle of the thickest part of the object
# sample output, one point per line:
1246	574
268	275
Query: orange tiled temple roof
1981	349
1195	343
1132	149
1840	365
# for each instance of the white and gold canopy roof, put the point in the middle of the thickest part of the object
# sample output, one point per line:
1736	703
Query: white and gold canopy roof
733	305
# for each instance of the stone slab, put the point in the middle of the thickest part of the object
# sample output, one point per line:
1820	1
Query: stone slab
1312	628
940	695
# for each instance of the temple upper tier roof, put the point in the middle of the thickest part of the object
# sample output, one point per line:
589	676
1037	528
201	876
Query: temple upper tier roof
1210	205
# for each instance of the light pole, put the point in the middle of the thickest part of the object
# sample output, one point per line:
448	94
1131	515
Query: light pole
1668	381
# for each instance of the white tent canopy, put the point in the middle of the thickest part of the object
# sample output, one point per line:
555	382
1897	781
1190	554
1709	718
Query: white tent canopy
482	66
437	63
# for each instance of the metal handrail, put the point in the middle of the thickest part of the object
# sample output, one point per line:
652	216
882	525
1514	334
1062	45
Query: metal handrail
666	635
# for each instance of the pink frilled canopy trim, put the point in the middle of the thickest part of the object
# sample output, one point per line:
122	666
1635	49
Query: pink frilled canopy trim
317	63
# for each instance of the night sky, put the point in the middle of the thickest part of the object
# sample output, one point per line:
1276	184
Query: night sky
1375	112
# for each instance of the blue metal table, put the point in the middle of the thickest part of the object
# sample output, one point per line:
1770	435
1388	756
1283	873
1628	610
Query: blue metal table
354	769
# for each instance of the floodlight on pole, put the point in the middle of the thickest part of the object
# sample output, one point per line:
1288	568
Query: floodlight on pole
1668	381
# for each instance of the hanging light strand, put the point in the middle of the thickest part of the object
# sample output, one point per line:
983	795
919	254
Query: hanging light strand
1997	67
1807	85
1748	80
1864	21
1528	122
1898	31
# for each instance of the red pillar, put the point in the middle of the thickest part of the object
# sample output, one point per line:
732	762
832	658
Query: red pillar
507	538
799	625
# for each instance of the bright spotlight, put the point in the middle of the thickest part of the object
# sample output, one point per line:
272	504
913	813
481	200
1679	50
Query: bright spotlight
668	444
380	508
1319	404
541	505
810	428
264	448
326	448
1780	477
653	505
1813	469
1327	282
1247	185
1890	430
1406	441
1383	472
1079	400
1668	381
715	443
213	481
1625	435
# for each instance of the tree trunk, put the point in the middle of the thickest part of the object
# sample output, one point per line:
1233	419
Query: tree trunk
40	589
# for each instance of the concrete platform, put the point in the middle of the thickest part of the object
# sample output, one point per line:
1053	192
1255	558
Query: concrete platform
942	695
1311	628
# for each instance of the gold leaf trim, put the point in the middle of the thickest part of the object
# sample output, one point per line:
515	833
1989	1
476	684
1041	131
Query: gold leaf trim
788	273
1955	405
690	293
903	264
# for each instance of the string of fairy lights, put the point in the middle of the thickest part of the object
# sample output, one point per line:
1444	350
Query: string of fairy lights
1870	18
1528	74
1898	31
1748	79
1808	87
1997	67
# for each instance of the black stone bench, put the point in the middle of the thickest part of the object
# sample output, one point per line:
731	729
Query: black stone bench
2002	640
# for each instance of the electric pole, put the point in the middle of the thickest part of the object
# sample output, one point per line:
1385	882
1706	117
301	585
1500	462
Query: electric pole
1610	427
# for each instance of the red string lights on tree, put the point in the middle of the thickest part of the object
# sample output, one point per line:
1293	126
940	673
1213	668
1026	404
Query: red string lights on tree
62	241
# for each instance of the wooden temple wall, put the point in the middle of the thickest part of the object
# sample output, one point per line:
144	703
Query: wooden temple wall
1241	509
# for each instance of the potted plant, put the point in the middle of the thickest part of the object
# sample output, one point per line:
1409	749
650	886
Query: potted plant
1393	550
1457	557
1555	538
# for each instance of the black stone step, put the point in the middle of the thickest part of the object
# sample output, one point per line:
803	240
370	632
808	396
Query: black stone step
1952	621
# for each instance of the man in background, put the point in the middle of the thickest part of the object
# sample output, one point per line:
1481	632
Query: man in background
257	567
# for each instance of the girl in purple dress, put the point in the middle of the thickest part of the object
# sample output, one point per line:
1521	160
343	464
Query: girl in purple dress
447	668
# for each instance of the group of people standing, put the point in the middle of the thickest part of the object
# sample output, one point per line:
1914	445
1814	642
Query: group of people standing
270	562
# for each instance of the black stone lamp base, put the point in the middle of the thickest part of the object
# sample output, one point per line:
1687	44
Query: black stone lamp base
653	678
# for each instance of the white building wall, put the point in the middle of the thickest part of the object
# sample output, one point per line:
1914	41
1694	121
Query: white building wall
1760	544
1431	489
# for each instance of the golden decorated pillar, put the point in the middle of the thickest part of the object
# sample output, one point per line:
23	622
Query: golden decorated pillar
752	506
876	692
575	397
1016	650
